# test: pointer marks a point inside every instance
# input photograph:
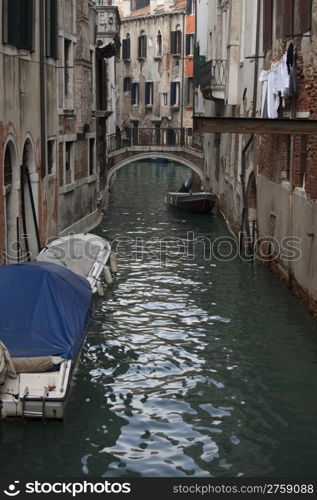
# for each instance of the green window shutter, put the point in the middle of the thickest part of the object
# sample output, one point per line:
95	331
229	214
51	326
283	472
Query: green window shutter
51	16
124	49
173	42
18	23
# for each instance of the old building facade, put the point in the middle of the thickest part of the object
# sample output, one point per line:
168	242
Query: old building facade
152	71
266	183
54	94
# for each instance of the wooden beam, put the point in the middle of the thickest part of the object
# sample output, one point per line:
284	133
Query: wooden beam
283	126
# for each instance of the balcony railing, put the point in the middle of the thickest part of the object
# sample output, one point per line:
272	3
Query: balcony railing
213	76
159	137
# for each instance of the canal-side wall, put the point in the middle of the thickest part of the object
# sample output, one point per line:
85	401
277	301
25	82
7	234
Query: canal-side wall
275	181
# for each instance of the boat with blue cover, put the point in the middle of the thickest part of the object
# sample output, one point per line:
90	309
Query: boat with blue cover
46	310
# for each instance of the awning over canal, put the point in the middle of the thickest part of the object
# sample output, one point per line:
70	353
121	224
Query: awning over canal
45	310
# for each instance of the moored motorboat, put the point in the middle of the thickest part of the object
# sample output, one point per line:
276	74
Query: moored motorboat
202	202
43	324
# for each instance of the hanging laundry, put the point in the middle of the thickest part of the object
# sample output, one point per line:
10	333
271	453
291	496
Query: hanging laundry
276	86
289	57
292	75
263	78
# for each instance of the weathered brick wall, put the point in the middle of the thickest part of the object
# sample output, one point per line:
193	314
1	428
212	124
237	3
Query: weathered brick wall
279	154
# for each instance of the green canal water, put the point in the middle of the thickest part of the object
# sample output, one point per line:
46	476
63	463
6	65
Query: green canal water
193	366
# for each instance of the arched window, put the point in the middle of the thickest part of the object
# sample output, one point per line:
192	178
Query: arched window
159	44
142	45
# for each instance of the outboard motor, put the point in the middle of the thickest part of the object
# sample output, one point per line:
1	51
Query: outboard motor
185	187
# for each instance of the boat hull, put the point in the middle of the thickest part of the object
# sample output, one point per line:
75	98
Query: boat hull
195	202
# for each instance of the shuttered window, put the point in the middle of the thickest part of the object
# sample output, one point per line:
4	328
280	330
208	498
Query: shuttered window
288	13
126	84
148	93
18	23
51	28
293	18
175	86
190	7
267	23
176	42
126	49
189	44
135	94
142	42
302	16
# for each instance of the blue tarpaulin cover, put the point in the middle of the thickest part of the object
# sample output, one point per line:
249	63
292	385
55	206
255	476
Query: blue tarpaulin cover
44	310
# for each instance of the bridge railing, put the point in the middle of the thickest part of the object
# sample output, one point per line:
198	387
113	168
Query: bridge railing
160	137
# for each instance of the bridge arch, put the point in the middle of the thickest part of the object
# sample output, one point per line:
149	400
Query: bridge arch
148	156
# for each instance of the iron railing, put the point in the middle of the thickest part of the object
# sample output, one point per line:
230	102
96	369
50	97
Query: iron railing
159	137
213	74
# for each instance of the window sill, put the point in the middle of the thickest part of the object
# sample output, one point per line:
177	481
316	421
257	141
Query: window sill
135	105
141	59
51	176
149	106
177	56
68	188
157	58
91	178
175	107
126	60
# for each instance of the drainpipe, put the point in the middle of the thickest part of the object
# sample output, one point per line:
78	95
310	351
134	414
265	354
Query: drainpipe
245	213
42	88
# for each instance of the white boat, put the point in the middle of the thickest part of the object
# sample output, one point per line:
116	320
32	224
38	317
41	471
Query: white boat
45	315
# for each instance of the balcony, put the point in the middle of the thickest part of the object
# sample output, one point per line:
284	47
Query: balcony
212	78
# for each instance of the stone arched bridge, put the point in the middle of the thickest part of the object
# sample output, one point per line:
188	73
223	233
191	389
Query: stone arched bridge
182	146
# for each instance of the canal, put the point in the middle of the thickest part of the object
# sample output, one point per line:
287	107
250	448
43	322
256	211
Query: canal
194	366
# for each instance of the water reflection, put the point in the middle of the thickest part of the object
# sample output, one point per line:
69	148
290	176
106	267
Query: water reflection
191	368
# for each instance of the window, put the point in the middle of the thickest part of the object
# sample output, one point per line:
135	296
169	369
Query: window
50	157
159	44
189	92
149	93
176	41
126	48
68	74
139	4
101	88
267	23
91	159
190	44
51	21
7	167
175	93
164	99
69	162
126	84
135	94
190	7
142	42
18	23
293	18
